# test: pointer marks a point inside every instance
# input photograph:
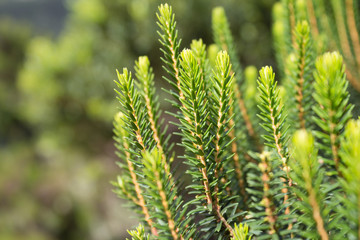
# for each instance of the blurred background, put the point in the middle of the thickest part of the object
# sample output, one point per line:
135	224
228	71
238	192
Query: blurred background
57	65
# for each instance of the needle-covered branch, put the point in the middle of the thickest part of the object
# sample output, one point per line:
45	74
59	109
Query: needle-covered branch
333	109
308	176
300	70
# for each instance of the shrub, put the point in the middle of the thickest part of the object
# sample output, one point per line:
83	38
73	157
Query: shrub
298	180
57	104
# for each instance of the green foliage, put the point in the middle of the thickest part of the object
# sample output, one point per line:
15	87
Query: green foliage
241	232
272	113
139	233
265	186
333	25
333	109
350	170
171	44
309	178
207	131
223	37
242	187
300	78
163	198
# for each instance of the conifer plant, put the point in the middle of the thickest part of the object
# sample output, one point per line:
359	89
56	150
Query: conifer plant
265	164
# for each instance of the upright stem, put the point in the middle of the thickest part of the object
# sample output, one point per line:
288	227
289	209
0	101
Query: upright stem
154	129
238	95
245	115
316	211
278	146
140	201
341	27
269	207
173	58
165	204
216	171
175	67
236	158
334	146
279	150
299	88
312	17
208	193
244	112
354	34
133	175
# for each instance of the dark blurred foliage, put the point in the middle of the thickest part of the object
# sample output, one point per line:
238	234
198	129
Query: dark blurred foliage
57	104
13	41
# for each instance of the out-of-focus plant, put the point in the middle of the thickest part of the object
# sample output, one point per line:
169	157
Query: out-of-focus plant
333	25
99	36
13	42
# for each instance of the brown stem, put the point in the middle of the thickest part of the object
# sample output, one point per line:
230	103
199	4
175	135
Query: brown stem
202	160
344	41
312	17
244	113
240	100
236	158
317	216
171	222
203	171
173	58
354	34
129	195
141	201
333	142
353	81
216	171
223	220
278	146
279	149
155	132
176	69
205	181
269	206
134	179
215	204
315	207
334	149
